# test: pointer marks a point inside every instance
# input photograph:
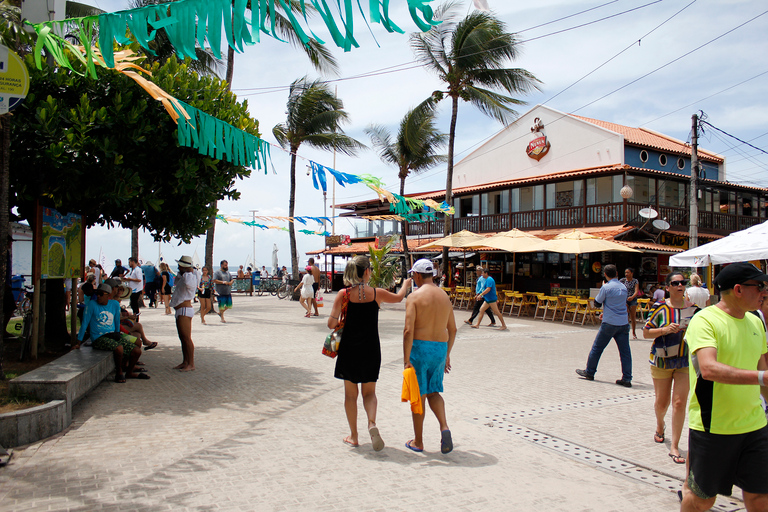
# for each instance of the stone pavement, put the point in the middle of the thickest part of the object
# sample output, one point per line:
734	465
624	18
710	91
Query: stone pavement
259	424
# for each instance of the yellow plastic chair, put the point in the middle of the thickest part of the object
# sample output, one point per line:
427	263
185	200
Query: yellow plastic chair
572	307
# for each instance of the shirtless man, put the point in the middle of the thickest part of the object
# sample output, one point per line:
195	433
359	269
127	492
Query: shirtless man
316	284
428	337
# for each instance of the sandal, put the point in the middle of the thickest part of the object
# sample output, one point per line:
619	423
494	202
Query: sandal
120	379
659	438
677	459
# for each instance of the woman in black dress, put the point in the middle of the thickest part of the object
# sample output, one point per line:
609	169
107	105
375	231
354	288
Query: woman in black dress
359	357
165	289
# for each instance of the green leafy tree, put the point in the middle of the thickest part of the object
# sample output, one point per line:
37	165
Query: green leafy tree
103	149
415	149
469	56
384	266
315	116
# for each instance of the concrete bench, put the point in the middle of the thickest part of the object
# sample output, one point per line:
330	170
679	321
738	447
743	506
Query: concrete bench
68	378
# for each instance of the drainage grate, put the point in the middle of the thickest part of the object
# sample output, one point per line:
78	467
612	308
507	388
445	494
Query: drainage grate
598	402
609	463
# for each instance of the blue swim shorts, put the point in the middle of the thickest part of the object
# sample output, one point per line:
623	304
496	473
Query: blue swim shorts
225	302
428	359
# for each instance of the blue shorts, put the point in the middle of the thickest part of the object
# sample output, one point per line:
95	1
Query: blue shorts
225	302
428	359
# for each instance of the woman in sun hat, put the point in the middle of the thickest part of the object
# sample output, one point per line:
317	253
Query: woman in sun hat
184	288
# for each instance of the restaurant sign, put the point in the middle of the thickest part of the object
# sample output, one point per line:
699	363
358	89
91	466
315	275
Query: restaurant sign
336	240
539	145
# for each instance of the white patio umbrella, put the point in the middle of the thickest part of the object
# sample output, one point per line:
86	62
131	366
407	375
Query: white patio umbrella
274	258
577	242
462	240
513	241
745	245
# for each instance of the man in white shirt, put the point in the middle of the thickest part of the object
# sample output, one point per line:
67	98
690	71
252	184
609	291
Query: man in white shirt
135	278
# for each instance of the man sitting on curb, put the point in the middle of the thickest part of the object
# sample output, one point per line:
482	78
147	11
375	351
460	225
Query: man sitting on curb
102	317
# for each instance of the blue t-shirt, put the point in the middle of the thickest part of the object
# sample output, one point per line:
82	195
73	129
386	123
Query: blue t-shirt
100	319
149	272
480	287
613	297
491	295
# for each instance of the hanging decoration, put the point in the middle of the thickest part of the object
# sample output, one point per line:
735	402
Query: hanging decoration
190	23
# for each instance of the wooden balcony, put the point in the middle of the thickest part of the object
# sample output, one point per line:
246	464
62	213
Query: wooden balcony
583	216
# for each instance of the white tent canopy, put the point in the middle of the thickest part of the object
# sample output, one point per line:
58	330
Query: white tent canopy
746	245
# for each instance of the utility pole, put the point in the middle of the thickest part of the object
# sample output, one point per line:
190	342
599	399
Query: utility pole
253	216
693	231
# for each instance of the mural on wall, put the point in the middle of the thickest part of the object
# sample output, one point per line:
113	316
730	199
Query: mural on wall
61	245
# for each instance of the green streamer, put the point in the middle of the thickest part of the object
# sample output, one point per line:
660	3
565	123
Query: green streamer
424	8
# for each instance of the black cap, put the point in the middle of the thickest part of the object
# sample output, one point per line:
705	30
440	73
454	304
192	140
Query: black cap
738	273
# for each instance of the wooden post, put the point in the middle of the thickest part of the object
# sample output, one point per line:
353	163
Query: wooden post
37	235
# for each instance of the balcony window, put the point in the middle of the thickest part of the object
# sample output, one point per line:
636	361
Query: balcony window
672	193
605	190
525	199
565	194
467	206
728	202
494	203
643	189
748	204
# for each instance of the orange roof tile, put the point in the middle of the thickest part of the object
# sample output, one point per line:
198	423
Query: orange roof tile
650	246
649	138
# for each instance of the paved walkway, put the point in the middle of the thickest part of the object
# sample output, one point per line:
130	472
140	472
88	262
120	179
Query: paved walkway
259	424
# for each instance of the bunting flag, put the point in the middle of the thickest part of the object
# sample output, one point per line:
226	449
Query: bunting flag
215	138
190	23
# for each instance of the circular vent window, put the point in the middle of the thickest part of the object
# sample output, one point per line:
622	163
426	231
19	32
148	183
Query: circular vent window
643	156
663	160
680	163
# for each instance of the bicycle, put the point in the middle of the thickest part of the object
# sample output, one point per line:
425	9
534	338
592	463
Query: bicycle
24	310
284	290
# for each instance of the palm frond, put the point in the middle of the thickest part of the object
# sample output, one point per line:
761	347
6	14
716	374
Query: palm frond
381	140
78	10
512	80
493	104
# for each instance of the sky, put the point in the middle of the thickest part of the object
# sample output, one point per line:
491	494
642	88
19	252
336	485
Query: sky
641	63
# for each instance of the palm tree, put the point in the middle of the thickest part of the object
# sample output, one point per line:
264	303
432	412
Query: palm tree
415	149
320	57
315	116
469	56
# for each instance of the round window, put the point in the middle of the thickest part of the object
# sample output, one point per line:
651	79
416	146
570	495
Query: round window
663	160
643	156
680	163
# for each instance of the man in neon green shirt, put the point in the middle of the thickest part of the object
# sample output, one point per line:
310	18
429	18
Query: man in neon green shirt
728	436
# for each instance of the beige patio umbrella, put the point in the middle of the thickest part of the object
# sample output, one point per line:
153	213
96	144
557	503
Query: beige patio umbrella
577	242
462	240
513	241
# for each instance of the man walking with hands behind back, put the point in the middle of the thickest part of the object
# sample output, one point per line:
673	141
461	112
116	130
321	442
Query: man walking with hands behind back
728	436
222	280
430	330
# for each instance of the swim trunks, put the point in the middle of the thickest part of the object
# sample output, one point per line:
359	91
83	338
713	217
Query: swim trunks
428	359
112	340
225	302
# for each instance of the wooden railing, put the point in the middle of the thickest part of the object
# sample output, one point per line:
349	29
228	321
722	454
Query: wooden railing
579	216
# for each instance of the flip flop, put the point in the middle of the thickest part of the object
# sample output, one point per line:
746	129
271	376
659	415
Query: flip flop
467	322
139	370
677	459
120	379
446	443
376	440
659	438
414	448
350	443
140	376
151	346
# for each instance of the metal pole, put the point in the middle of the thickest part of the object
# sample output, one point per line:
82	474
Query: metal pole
693	232
253	262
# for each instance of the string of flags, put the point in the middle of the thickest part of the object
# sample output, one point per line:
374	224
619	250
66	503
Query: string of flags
190	23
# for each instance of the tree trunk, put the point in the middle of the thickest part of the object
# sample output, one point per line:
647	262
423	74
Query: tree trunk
209	235
4	186
135	243
291	206
449	176
209	240
404	236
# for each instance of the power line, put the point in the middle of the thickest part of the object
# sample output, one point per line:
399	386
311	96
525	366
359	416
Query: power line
734	137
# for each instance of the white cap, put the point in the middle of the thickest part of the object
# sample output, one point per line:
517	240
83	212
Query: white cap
423	266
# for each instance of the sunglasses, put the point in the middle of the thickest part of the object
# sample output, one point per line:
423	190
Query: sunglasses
760	286
678	283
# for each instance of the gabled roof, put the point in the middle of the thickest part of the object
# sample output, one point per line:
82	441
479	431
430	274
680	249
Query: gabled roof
648	138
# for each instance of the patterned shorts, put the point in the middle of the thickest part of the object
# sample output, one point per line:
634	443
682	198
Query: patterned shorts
225	302
111	341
